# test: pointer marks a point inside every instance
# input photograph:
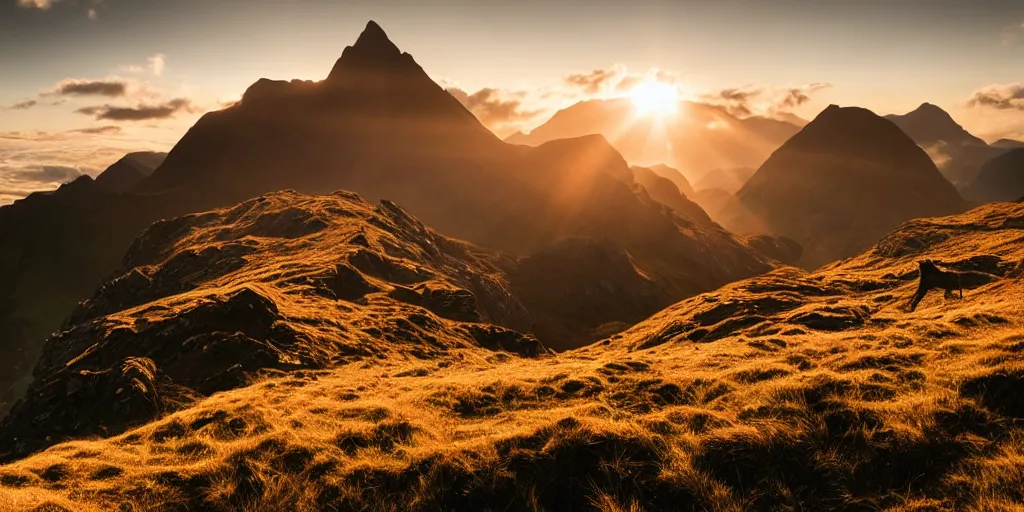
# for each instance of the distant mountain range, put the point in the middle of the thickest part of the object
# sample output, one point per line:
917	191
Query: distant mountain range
125	174
958	154
697	139
379	126
1008	144
844	181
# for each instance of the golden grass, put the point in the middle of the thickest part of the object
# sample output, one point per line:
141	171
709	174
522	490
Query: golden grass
790	391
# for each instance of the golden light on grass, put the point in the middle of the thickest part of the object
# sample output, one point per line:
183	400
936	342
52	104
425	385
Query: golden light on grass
654	97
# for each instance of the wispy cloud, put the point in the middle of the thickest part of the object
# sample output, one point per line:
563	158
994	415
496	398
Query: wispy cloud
140	112
762	99
84	87
37	4
32	161
595	81
1012	34
999	96
24	105
497	109
155	65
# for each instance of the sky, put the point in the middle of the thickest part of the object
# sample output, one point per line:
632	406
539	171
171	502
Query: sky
84	81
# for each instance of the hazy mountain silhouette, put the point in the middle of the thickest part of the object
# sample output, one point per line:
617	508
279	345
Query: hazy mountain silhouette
845	180
957	153
1001	179
699	138
125	174
665	191
377	125
674	176
729	180
1008	144
726	209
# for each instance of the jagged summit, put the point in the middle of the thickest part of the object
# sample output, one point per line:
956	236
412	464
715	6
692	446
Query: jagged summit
372	51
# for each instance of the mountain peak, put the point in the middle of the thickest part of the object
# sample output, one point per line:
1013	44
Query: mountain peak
373	50
373	37
929	124
930	109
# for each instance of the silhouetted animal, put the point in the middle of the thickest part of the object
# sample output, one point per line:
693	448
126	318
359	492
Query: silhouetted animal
934	277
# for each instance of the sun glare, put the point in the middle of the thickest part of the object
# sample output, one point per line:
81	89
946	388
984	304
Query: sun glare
655	97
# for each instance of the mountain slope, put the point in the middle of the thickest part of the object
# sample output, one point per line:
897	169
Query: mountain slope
1001	179
791	390
666	192
674	176
729	180
843	182
957	153
282	282
726	209
697	139
1008	144
378	125
125	174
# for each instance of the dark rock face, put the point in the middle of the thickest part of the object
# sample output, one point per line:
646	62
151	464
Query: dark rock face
848	178
1001	179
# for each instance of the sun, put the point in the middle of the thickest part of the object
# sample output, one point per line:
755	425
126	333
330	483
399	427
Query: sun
655	97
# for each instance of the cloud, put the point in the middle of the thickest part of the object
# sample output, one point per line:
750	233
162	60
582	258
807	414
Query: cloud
1012	33
39	135
46	174
32	161
748	100
99	130
24	105
596	80
140	112
493	107
797	96
156	64
739	95
37	4
999	96
616	79
93	15
78	87
19	181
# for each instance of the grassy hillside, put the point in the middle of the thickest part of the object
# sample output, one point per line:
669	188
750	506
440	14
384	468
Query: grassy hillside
789	391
